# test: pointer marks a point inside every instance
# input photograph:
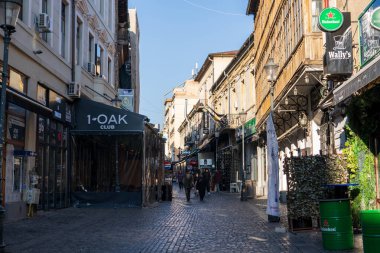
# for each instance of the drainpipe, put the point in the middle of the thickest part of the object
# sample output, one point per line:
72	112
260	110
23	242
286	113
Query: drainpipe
326	2
69	143
73	37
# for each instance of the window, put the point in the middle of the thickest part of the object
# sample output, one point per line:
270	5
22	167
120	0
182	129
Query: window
17	81
316	7
109	70
101	7
63	29
90	48
78	47
42	95
98	60
44	10
110	7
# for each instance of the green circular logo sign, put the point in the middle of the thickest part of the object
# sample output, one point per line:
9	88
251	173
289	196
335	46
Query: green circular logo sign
375	18
330	19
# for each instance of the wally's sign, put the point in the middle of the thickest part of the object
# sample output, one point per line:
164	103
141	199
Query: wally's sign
96	118
338	61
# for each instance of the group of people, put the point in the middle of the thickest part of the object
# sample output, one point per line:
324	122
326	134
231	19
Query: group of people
200	181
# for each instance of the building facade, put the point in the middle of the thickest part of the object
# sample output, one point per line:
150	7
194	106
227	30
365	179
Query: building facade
176	109
61	50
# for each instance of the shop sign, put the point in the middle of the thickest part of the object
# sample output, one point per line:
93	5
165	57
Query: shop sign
369	32
127	99
250	127
330	19
338	61
185	152
58	105
16	128
106	121
93	117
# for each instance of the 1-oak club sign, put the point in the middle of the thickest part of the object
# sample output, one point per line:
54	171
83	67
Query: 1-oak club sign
97	119
107	122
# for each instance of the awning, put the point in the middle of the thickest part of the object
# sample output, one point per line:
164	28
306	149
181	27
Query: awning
94	118
365	76
27	103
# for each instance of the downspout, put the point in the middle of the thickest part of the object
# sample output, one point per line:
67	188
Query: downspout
73	37
326	2
69	144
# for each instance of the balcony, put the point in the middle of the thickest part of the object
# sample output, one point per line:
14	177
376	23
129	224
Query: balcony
230	121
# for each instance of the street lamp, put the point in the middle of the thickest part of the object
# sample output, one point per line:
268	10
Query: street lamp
271	71
179	153
9	10
243	192
217	133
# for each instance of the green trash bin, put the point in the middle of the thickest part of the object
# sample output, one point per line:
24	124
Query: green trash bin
336	224
370	220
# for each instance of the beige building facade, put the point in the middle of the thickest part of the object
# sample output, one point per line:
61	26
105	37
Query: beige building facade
69	53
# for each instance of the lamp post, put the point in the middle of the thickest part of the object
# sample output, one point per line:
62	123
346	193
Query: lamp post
243	192
271	71
9	10
217	133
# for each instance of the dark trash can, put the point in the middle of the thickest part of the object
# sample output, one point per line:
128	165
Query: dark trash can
336	224
370	220
167	192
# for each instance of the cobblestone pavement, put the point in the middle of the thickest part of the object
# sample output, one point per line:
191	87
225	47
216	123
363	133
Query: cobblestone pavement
221	223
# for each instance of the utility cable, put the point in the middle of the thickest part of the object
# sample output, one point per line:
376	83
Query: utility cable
213	10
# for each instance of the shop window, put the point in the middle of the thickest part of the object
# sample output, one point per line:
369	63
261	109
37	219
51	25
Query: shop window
17	174
42	94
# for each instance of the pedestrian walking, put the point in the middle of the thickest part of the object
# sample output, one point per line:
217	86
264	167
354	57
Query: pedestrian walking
180	180
188	184
217	180
202	185
206	177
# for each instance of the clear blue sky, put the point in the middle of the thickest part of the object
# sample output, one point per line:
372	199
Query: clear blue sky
175	34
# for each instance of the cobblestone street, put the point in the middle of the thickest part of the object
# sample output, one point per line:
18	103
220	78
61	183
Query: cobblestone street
222	223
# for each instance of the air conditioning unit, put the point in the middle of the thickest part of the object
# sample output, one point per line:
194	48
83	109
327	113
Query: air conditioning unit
91	68
43	22
74	90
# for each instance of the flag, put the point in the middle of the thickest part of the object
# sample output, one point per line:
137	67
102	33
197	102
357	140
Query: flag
273	169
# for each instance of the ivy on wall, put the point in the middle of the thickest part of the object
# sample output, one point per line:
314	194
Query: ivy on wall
360	163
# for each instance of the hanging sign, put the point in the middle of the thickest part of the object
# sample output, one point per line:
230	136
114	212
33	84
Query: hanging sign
375	18
338	61
369	32
330	19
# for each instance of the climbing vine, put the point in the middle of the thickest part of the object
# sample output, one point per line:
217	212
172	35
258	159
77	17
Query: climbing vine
360	163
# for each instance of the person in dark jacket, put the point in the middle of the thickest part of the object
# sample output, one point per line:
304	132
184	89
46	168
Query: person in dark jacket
207	176
188	184
202	185
217	180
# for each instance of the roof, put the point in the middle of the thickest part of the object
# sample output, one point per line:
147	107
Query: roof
209	60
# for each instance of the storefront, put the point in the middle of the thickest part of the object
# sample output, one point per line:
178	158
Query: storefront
36	149
359	96
116	156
